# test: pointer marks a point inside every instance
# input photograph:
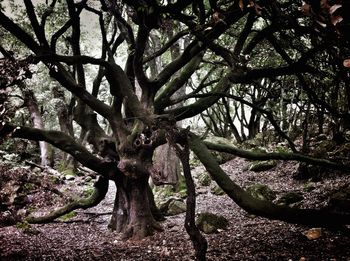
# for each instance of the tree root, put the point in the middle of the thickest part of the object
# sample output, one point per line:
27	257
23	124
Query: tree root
100	191
311	217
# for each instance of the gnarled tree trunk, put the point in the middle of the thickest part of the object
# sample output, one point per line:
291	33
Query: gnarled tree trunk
132	214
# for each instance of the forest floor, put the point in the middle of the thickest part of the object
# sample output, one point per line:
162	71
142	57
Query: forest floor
86	236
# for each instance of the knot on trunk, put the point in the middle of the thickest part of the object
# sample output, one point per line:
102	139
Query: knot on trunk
147	138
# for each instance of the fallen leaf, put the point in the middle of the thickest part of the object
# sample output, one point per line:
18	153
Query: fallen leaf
346	63
313	233
241	4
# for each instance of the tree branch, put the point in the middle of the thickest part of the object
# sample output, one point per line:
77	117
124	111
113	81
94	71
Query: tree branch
311	217
268	114
19	33
38	30
198	240
162	100
99	193
71	60
63	142
166	46
202	104
253	155
58	72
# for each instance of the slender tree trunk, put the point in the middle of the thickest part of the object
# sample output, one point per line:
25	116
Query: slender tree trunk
65	120
33	108
198	240
230	122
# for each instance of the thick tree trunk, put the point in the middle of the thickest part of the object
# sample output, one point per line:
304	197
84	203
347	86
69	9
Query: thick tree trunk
132	214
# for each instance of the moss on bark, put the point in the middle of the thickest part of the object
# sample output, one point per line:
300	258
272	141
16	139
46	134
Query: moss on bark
312	217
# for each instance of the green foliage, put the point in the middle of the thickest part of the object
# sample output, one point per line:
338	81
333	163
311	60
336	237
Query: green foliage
282	149
68	172
194	162
88	191
26	228
163	192
55	179
31	210
23	225
28	187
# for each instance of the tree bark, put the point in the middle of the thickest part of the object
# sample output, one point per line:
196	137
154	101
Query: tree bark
168	163
198	240
65	118
33	108
132	214
253	155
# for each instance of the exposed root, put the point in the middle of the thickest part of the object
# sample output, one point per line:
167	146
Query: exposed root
100	191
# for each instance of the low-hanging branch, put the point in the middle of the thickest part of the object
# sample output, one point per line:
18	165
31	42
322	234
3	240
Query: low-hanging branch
254	155
263	208
99	193
66	79
63	142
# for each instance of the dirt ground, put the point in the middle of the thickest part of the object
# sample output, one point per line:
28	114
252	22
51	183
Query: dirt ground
86	237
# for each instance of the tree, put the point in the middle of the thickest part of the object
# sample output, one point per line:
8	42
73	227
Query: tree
140	117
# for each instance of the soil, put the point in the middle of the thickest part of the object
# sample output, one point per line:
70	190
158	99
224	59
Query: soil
86	236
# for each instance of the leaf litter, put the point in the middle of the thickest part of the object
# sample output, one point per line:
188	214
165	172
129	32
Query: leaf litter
86	236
